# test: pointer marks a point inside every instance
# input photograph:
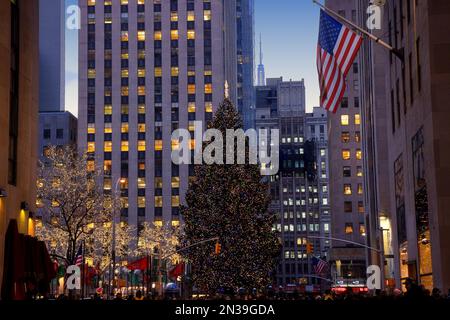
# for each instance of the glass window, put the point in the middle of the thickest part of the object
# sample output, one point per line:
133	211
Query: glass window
174	34
358	154
158	201
344	120
347	189
357	119
157	35
345	137
346	154
108	146
349	228
191	34
158	145
360	188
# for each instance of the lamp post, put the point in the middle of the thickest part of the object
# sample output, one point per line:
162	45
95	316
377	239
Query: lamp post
113	242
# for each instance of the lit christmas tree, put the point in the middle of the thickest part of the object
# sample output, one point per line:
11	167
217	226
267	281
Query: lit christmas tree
229	201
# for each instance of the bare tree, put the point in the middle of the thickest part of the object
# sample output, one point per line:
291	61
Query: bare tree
70	201
162	240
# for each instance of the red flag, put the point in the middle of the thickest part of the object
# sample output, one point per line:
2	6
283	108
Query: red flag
177	271
140	264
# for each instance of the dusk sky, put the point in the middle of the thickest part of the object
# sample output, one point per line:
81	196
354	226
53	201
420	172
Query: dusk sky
289	32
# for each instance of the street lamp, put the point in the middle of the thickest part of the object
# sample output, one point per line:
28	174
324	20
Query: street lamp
113	242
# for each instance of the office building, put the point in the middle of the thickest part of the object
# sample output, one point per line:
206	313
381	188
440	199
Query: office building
19	117
148	67
346	176
51	55
415	101
295	189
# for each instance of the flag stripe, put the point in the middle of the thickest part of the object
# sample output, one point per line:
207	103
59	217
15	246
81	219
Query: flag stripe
337	49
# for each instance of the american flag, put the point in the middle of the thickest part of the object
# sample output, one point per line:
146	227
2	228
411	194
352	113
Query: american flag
336	51
79	256
320	266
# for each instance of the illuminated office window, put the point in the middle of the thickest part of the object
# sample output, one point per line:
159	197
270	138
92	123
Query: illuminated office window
174	16
91	2
175	223
108	128
124	73
124	55
344	120
347	189
349	228
345	154
175	201
207	15
191	34
358	154
357	119
141	109
141	127
124	109
158	72
141	91
174	71
91	73
108	146
158	183
91	128
191	144
123	1
362	229
191	88
360	188
158	201
208	88
175	144
190	16
91	147
124	128
141	145
124	146
173	34
141	73
141	183
157	35
158	145
208	107
141	35
191	107
175	182
124	91
191	126
359	171
124	36
107	183
141	202
107	110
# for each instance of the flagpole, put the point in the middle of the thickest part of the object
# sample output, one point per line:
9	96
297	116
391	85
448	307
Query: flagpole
398	53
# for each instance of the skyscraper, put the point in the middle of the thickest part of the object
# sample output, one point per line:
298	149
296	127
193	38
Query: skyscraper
51	55
413	104
261	72
148	67
19	117
296	198
346	175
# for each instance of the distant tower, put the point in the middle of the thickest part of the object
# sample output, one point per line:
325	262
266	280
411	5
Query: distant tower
261	72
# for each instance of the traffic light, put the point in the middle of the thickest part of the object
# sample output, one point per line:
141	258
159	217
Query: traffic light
218	248
309	248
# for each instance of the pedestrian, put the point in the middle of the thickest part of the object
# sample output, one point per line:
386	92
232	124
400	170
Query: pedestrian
436	294
118	296
139	296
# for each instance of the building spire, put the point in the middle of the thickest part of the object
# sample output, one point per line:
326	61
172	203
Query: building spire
261	71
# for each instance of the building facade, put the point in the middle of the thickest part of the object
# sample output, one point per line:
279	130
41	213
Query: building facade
148	68
416	94
52	55
296	198
346	175
19	117
317	131
57	129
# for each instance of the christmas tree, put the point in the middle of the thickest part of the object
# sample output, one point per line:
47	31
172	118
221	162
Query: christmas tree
229	201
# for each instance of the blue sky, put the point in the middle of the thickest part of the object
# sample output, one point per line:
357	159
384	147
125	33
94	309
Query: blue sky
289	31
